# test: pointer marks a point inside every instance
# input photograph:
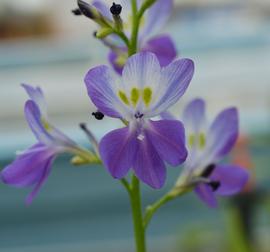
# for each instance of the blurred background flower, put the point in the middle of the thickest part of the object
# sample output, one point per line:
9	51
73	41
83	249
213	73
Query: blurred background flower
83	209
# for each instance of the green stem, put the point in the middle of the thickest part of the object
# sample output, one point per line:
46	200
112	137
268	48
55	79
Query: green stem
135	29
136	205
151	210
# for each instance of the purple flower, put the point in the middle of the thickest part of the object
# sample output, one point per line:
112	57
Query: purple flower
143	91
207	144
152	21
32	167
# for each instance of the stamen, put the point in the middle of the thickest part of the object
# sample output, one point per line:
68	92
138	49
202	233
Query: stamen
208	170
138	115
214	184
98	115
77	12
90	136
116	9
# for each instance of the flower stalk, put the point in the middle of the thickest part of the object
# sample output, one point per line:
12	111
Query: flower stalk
136	205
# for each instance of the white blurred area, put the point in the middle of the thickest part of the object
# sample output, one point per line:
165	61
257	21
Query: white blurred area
42	43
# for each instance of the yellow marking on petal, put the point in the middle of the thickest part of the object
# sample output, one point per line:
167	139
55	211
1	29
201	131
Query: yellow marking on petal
202	140
134	96
147	96
191	140
123	97
46	125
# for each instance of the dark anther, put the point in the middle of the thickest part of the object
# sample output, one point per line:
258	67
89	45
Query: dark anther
77	12
116	9
98	115
208	170
85	9
138	115
83	126
214	184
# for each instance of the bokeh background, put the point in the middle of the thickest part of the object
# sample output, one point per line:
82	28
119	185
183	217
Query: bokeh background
83	208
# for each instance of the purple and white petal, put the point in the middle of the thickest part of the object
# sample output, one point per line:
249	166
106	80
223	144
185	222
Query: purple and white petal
101	83
36	94
103	8
168	138
112	58
117	150
156	17
163	47
148	165
166	115
174	81
206	194
232	179
34	119
194	117
31	168
222	134
141	70
42	179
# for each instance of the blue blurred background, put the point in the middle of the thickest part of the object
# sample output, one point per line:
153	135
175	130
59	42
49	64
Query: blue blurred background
83	208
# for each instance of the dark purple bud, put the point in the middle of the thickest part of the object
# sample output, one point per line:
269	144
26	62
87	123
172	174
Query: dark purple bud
116	9
85	9
208	170
77	12
214	184
98	115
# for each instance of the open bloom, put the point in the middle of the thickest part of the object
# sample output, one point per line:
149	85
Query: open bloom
207	144
32	167
143	91
152	21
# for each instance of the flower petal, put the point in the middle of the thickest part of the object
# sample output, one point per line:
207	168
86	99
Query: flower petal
194	116
163	47
112	58
174	81
33	117
31	168
168	138
27	168
45	173
223	133
101	82
141	69
166	115
37	96
206	194
117	150
232	179
103	8
148	165
156	17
